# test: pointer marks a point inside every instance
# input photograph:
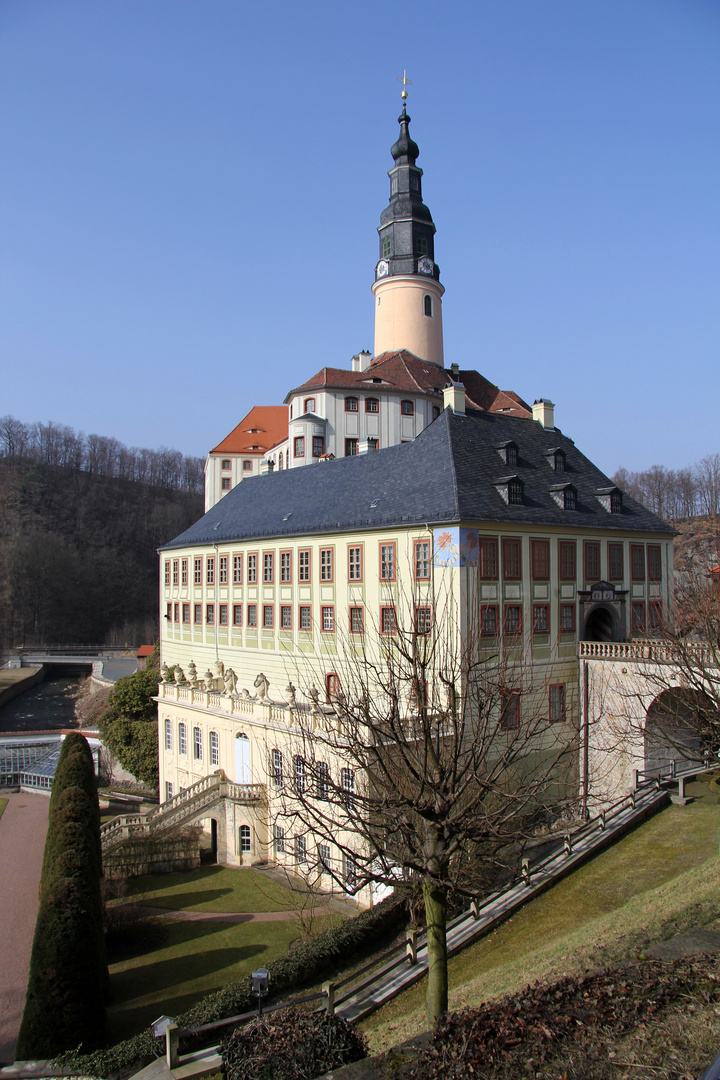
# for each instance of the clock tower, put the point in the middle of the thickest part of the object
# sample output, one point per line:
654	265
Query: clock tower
407	289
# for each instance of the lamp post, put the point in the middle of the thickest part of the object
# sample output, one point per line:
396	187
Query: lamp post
260	980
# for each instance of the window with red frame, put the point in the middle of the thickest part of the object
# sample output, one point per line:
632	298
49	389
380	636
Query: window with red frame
268	567
210	614
407	408
186	613
327	616
223	615
568	560
541	618
183	571
489	559
176	564
318	445
387	620
351	404
237	614
168	612
332	686
638	615
592	561
210	571
252	569
637	562
351	447
286	617
252	616
299	446
326	564
422	560
567	618
512	560
556	703
309	404
268	616
355	564
654	562
356	620
655	614
489	623
237	569
176	610
197	571
616	567
197	614
387	562
167	572
372	405
304	565
423	620
223	570
510	711
513	619
305	618
540	559
286	566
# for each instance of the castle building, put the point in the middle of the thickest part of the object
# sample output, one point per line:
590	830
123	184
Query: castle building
428	498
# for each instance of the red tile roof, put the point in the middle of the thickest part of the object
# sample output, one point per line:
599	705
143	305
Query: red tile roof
404	372
271	424
145	650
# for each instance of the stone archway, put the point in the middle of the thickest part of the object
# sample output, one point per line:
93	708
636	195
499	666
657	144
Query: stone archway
675	727
600	624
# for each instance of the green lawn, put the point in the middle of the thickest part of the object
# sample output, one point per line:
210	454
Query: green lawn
656	881
213	888
194	959
3	804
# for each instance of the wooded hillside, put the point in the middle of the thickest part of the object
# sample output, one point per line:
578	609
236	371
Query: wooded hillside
78	560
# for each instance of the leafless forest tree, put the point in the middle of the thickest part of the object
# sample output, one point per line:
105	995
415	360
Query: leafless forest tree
676	494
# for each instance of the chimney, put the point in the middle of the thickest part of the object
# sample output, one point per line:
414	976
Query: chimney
544	411
266	467
454	396
366	445
361	362
455	371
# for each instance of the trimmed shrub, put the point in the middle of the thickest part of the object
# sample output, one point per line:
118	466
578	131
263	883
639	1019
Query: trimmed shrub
291	1045
64	1006
76	769
316	960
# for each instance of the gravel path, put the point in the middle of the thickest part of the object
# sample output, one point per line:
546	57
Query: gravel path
22	839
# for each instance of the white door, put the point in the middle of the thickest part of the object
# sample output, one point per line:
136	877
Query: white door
242	759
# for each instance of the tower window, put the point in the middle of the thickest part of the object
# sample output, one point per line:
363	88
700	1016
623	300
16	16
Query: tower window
427	306
422	245
309	404
386	247
414	182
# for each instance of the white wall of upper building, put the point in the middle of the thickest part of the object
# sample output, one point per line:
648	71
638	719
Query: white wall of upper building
223	472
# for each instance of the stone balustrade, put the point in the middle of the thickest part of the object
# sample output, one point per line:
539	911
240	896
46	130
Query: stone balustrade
263	710
659	652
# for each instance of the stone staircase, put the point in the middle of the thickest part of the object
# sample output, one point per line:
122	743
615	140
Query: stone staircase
187	806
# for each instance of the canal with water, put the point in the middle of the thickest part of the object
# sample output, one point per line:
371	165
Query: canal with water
45	707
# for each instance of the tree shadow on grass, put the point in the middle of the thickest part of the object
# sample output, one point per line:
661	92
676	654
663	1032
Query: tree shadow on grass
174	901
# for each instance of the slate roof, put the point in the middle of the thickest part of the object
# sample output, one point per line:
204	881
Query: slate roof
403	371
447	475
272	421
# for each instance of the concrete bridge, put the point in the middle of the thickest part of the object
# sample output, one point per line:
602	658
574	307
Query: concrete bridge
646	706
104	664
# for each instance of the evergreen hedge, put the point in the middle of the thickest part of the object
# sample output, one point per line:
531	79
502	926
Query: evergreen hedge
310	963
64	1007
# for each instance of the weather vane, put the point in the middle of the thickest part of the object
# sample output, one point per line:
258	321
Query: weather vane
406	82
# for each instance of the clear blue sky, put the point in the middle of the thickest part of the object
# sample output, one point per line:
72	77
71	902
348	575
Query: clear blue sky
190	191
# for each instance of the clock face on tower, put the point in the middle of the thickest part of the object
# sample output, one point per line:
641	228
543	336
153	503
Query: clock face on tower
382	268
425	265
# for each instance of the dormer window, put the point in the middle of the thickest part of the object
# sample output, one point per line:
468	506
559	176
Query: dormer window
555	458
611	499
565	495
309	404
511	489
351	404
508	451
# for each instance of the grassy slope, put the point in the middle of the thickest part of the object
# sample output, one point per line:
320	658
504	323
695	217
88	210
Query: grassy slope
663	877
3	804
213	888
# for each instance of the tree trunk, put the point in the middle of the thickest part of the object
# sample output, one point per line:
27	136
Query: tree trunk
436	1004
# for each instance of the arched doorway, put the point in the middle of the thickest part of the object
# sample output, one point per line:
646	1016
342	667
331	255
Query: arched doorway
242	759
676	727
600	624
